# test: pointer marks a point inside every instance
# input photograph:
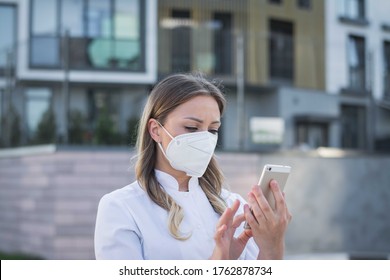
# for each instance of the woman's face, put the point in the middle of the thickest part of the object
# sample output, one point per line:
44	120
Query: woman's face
200	113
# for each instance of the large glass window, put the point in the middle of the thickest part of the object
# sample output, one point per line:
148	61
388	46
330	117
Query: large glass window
181	41
37	104
103	116
353	130
357	62
126	20
223	43
386	59
281	48
353	9
99	18
45	42
312	134
46	24
7	34
103	34
304	4
72	17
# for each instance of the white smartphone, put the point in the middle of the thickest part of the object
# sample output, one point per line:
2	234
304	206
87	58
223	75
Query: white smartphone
271	171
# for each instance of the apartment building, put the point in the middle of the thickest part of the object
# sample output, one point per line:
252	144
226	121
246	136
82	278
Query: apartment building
357	70
296	73
270	56
286	68
84	60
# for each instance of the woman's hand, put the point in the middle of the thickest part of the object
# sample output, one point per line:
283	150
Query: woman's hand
268	225
226	245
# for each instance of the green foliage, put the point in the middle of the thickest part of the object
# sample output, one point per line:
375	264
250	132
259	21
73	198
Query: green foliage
47	129
105	132
15	131
77	128
131	133
11	131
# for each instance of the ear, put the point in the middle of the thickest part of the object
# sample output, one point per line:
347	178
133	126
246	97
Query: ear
154	130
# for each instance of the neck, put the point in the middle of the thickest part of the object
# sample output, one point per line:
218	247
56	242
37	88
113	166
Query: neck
181	177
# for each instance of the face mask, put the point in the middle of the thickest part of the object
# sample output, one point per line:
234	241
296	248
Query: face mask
190	152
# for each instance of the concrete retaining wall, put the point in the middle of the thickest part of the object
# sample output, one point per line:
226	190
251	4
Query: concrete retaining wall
48	201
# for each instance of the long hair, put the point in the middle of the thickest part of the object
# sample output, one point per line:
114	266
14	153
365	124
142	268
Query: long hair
168	94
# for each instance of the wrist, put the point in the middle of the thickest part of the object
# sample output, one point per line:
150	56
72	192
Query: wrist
274	253
218	255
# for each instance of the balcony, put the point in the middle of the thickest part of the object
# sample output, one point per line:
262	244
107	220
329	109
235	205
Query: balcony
190	49
80	53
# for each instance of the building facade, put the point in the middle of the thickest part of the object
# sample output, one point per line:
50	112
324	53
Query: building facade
357	70
87	63
296	73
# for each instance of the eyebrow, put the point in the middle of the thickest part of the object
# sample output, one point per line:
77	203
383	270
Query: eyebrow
199	120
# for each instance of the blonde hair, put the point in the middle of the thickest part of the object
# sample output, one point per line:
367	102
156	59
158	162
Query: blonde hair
168	94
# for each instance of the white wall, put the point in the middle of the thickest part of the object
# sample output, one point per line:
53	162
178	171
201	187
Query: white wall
337	33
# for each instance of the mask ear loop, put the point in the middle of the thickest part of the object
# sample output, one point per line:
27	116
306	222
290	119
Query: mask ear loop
165	129
159	143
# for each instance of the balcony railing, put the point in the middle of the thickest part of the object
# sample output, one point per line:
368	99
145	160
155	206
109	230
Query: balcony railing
357	79
80	53
188	49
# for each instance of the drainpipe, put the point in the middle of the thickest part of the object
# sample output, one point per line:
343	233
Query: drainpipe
240	92
371	105
65	87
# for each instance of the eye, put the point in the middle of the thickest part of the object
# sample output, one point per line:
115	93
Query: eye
213	131
191	128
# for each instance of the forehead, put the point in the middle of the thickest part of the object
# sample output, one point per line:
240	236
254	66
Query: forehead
202	107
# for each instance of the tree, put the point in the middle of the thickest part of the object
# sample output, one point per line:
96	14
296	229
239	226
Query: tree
47	129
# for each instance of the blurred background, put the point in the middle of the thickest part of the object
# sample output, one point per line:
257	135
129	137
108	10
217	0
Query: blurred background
307	84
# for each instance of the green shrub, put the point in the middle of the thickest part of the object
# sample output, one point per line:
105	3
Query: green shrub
105	132
47	129
77	128
132	131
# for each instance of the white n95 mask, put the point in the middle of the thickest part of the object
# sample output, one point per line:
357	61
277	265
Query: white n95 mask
190	152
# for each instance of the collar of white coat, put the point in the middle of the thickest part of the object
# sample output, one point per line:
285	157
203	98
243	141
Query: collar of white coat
169	182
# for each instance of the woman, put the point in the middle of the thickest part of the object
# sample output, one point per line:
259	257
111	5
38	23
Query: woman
177	208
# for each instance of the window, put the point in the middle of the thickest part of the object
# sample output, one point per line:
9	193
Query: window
353	9
99	19
304	4
312	134
181	41
37	104
1	112
353	127
45	43
7	35
386	53
103	34
281	48
223	43
357	63
103	115
72	18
